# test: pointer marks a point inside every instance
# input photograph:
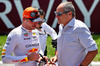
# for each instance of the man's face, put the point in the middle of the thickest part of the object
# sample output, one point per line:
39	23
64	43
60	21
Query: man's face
63	18
31	25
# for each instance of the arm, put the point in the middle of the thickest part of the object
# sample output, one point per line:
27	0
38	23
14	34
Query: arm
89	57
49	30
87	42
53	59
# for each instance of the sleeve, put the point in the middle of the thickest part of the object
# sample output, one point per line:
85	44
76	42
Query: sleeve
49	30
10	45
86	39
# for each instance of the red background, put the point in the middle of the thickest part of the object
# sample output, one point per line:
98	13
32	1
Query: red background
13	15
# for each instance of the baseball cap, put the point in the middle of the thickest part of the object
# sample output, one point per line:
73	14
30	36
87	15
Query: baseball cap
32	14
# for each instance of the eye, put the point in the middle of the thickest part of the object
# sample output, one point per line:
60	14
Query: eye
59	14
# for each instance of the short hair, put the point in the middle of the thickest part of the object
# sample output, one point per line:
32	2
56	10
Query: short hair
68	6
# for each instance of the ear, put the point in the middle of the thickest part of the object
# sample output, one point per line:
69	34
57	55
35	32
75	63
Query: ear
70	13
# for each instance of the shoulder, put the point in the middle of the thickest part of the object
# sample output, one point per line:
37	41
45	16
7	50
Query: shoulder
80	26
15	31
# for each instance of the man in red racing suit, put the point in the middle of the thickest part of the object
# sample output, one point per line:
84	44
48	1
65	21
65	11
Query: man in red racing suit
23	41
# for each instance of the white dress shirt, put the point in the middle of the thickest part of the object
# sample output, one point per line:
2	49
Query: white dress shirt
73	43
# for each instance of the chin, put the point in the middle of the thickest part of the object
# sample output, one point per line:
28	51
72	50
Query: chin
59	22
33	28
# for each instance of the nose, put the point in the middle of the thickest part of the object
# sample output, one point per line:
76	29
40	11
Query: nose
36	23
57	16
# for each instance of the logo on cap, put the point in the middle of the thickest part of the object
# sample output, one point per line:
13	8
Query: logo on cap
32	14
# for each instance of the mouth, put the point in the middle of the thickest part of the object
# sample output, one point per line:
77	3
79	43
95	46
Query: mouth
59	22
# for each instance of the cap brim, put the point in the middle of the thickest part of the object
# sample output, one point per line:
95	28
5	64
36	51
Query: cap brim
37	20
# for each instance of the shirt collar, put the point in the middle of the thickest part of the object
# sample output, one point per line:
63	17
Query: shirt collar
71	23
25	29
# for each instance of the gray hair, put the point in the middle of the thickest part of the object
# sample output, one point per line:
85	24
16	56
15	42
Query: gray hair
68	6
